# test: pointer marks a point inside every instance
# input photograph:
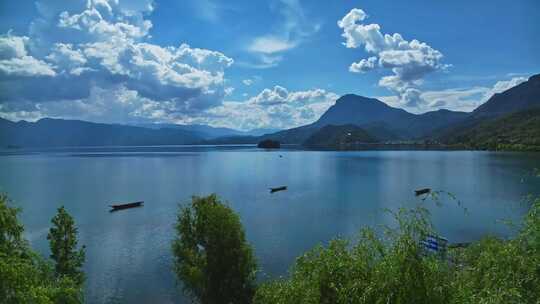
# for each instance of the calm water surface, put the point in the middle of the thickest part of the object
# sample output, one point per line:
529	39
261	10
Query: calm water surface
330	194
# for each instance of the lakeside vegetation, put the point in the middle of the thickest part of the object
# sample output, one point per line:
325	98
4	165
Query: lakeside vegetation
374	268
390	268
339	137
215	263
27	277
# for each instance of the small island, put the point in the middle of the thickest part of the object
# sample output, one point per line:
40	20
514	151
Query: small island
269	144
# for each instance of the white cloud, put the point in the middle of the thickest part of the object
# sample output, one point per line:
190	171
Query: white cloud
109	105
457	99
98	45
504	85
229	91
409	61
103	68
26	66
274	107
270	45
67	59
12	46
294	29
364	65
15	61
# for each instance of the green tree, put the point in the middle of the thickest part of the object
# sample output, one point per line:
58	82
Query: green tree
63	242
11	238
212	257
25	277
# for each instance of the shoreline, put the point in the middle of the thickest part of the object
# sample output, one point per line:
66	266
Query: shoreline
344	148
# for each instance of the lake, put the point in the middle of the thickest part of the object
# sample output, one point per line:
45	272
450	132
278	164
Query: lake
329	194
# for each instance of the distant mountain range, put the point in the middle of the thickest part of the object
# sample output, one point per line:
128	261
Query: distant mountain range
500	120
48	132
377	118
58	132
209	132
391	124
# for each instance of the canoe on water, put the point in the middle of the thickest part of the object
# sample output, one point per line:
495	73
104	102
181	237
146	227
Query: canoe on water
125	206
276	189
422	191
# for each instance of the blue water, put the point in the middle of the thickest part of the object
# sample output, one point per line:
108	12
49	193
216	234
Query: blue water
329	194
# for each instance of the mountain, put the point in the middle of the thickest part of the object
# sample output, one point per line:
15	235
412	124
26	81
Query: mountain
209	132
518	99
374	116
388	123
515	131
49	132
236	140
204	131
260	131
292	136
521	97
359	110
339	136
382	131
430	123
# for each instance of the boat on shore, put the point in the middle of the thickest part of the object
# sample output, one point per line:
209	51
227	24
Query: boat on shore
125	206
276	189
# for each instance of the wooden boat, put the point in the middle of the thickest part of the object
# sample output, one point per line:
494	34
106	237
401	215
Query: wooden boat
125	206
276	189
422	191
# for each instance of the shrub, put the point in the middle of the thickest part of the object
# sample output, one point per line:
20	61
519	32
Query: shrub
390	268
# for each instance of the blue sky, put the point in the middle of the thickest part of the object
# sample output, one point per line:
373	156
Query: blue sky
250	64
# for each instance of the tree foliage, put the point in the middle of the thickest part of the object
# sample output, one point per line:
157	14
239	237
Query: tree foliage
390	268
11	238
212	257
346	136
502	271
63	242
25	277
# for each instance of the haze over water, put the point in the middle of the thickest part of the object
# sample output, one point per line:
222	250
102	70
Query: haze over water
329	194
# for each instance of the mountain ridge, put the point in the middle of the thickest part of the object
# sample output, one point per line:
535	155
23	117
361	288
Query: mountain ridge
363	112
372	115
49	132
